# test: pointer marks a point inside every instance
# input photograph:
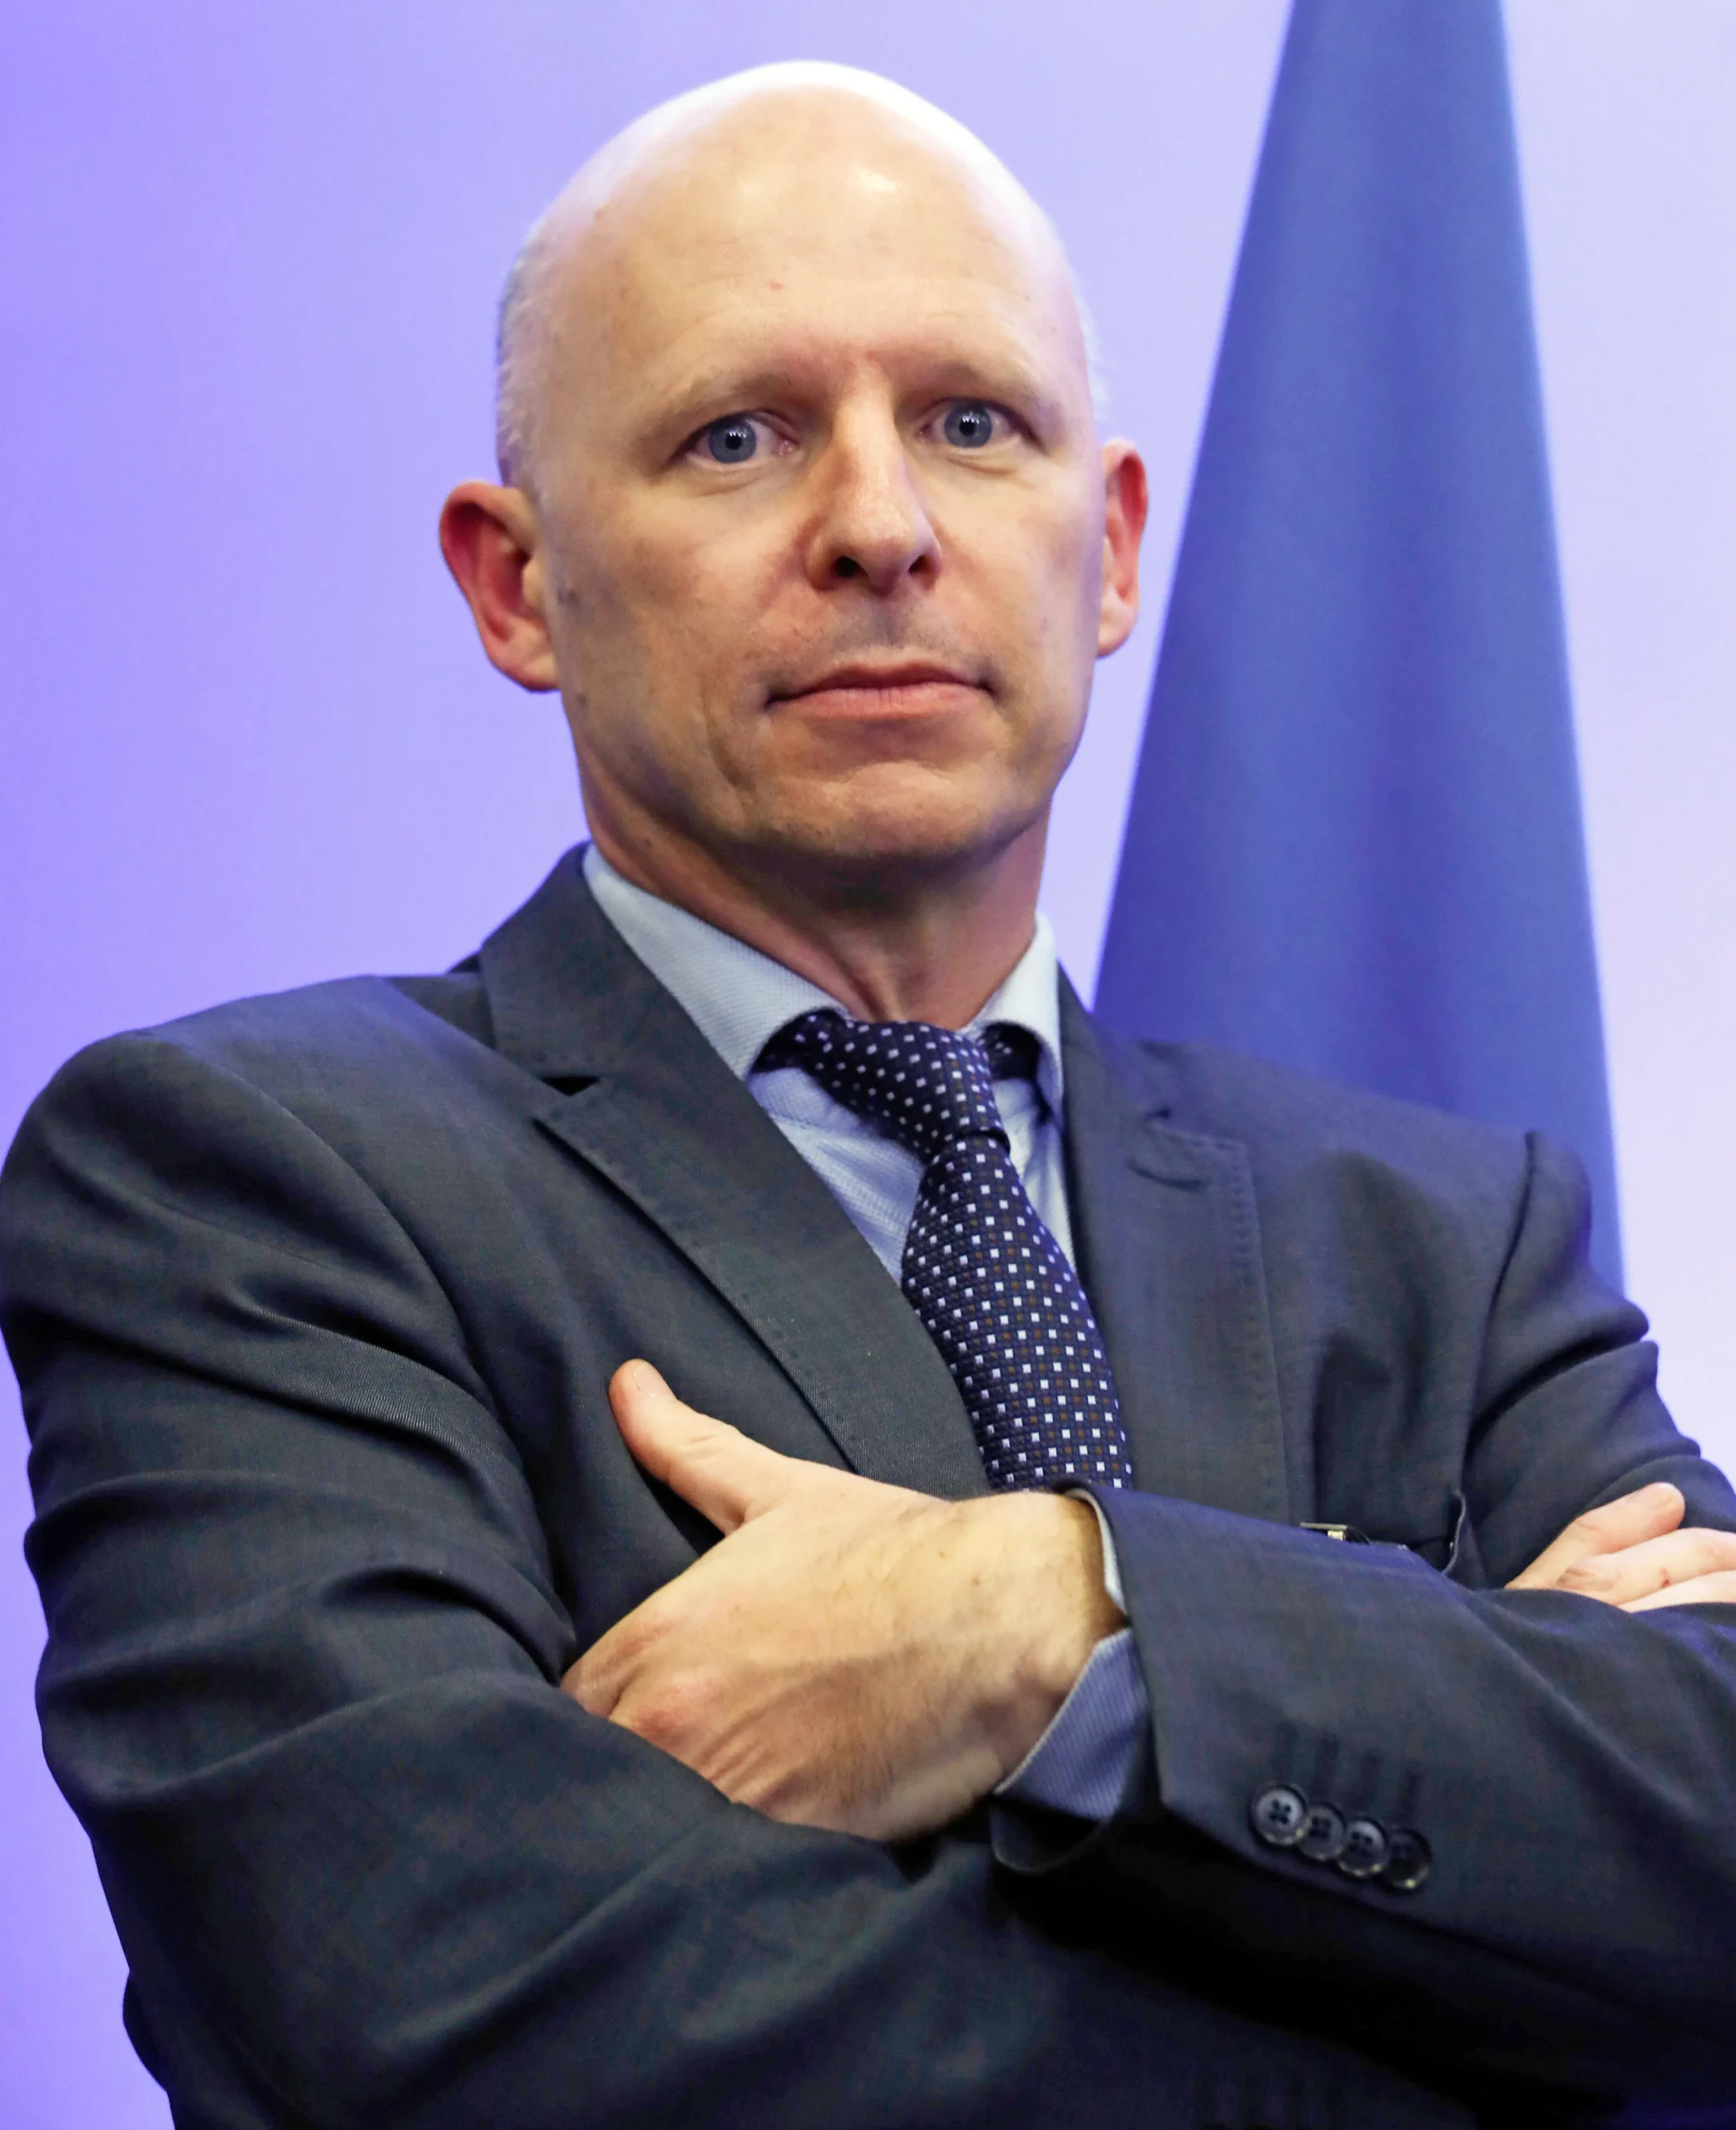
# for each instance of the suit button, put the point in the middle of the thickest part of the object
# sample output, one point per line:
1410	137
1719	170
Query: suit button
1365	1849
1324	1835
1279	1815
1408	1861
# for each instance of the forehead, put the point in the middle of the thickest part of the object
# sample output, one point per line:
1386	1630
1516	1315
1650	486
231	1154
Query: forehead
819	231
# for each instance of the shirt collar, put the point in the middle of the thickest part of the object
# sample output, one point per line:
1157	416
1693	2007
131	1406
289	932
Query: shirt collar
738	998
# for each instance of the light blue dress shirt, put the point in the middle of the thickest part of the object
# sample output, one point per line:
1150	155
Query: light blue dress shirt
738	998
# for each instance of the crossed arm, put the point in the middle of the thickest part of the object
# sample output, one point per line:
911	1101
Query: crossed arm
860	1657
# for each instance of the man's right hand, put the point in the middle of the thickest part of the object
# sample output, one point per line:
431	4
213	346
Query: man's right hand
1633	1553
850	1655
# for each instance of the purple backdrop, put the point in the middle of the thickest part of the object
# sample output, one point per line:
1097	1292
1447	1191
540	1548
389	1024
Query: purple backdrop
250	259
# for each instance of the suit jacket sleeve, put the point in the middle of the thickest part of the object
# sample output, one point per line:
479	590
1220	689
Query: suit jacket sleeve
368	1862
1572	1767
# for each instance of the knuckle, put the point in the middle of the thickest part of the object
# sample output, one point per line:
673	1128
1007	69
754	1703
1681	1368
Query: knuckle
708	1444
1591	1578
667	1715
650	1625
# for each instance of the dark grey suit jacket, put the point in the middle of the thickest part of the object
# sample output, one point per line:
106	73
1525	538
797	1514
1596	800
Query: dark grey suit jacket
314	1300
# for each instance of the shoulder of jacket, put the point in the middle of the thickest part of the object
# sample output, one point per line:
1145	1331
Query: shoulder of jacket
359	1024
1287	1118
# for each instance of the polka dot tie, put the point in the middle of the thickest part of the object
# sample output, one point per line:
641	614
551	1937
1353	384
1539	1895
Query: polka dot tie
991	1285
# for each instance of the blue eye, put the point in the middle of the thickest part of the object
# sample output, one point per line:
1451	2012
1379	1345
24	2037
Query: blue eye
732	440
970	424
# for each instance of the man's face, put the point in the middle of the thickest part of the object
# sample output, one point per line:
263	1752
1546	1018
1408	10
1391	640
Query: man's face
822	504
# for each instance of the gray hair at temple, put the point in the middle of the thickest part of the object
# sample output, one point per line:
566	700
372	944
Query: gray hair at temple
524	299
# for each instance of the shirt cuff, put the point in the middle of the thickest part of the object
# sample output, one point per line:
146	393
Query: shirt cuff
1082	1761
1111	1559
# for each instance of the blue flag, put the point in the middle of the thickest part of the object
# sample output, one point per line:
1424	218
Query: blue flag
1354	843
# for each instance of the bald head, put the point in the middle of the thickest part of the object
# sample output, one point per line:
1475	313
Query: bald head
756	145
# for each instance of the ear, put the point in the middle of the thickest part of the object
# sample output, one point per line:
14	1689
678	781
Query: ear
1126	502
493	546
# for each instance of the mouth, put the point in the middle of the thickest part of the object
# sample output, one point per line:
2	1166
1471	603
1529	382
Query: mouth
907	688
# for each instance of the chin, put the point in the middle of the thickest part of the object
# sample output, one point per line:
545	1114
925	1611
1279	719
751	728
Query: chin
905	825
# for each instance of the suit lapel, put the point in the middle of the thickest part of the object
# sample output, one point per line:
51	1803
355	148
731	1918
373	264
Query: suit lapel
642	1098
1164	1221
1168	1239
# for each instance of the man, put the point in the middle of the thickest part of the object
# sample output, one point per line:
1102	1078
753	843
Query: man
1039	1744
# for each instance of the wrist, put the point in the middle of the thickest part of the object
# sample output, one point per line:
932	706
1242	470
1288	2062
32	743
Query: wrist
1087	1613
1046	1606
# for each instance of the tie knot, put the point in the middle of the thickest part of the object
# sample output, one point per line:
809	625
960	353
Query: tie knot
926	1085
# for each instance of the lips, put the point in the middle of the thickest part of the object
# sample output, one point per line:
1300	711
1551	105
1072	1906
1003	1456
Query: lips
909	686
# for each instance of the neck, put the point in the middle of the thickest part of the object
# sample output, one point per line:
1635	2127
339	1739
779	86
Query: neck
934	946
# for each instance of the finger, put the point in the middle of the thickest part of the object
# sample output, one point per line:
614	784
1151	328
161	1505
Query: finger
1637	1571
1647	1512
1717	1589
727	1478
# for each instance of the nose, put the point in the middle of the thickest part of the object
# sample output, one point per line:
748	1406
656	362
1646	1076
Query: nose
873	527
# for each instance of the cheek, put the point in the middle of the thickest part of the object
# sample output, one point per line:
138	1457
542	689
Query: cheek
1077	562
1040	547
1055	632
1042	588
634	625
694	604
661	641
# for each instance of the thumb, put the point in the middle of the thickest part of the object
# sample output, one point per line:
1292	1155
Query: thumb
728	1479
